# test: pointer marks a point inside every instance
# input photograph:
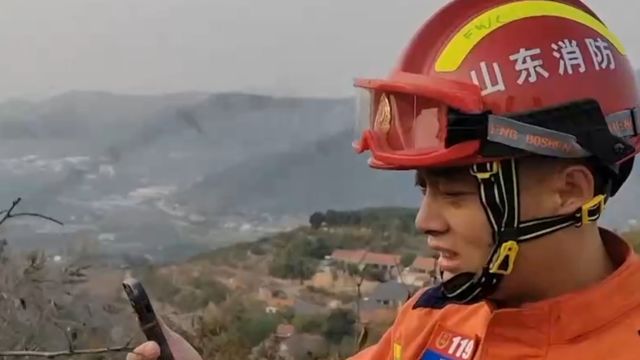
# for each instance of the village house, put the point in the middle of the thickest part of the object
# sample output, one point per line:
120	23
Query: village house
333	275
390	294
337	281
421	273
388	263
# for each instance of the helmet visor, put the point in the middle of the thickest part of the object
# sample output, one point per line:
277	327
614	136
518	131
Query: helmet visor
400	123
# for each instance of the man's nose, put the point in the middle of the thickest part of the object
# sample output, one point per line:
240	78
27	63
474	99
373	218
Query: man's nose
430	219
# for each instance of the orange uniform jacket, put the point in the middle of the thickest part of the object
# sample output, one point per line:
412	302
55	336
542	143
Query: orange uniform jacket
600	322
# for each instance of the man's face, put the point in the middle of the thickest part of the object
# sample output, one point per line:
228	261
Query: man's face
452	216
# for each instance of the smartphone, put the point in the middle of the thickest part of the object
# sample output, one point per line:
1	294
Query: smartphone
146	316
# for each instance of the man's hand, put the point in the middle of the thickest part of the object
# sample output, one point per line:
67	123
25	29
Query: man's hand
180	348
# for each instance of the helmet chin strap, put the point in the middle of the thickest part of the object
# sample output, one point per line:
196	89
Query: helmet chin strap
499	194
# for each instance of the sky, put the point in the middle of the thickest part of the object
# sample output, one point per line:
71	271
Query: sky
279	47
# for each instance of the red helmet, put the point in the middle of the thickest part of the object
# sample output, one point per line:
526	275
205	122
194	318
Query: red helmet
485	82
531	61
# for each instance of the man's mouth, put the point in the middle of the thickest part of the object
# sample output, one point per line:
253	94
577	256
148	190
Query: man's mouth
447	254
449	263
448	260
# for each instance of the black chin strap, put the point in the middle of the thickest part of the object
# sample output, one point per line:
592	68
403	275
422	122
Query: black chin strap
499	194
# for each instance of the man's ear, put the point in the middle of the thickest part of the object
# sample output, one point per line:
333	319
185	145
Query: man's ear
575	185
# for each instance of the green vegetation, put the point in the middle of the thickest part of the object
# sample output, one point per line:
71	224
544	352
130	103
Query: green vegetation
407	259
296	254
389	230
298	259
236	324
316	220
159	287
208	290
311	324
232	329
257	326
229	255
389	218
335	327
290	266
197	293
338	325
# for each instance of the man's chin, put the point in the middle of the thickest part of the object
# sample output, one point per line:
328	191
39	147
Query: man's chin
446	275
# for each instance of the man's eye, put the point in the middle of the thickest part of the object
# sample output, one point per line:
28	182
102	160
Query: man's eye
456	193
423	189
453	194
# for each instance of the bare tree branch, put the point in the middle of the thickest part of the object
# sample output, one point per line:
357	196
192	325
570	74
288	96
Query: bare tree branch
8	215
67	335
37	215
361	275
54	354
24	302
400	268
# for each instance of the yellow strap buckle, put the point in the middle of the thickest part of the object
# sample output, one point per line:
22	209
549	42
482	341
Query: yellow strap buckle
494	168
508	252
598	201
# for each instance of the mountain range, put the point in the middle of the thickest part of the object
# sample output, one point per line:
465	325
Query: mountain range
120	167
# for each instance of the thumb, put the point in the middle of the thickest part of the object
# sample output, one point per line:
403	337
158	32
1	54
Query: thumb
146	351
149	350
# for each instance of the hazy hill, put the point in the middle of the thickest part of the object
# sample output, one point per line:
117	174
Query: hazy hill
325	174
89	157
100	161
88	120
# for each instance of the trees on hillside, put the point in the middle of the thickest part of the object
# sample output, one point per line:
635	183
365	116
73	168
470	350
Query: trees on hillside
232	329
407	259
339	325
316	220
399	219
298	259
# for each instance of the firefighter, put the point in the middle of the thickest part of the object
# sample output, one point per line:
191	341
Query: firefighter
520	120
